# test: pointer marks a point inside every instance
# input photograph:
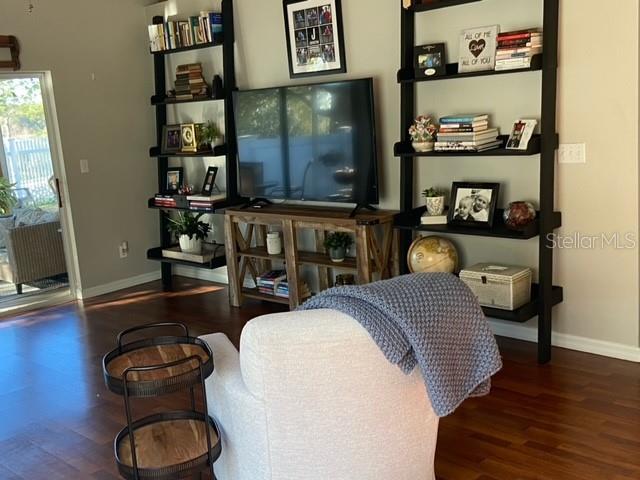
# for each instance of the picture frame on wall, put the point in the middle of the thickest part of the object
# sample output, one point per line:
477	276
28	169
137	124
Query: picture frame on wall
473	204
171	139
315	37
174	179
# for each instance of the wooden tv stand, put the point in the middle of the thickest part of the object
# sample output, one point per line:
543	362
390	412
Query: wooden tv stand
247	252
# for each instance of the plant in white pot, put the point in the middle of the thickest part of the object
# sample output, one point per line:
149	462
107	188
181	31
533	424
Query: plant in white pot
8	198
190	231
434	200
423	134
338	243
212	134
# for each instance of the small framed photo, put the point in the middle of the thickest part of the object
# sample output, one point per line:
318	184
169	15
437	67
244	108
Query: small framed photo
171	139
473	204
174	180
521	133
209	181
430	60
189	140
315	39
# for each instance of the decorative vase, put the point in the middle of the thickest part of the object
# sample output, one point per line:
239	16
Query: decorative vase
422	146
190	245
337	254
519	214
274	243
435	205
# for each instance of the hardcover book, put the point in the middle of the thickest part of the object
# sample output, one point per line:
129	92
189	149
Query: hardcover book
478	49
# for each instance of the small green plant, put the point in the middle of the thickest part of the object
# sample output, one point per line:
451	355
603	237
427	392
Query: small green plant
211	132
338	240
190	225
8	198
432	192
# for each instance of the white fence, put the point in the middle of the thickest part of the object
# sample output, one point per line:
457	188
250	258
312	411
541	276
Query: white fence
29	166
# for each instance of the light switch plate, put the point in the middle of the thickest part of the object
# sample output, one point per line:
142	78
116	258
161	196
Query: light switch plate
84	166
572	153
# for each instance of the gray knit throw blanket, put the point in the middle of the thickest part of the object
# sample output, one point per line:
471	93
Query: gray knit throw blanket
431	320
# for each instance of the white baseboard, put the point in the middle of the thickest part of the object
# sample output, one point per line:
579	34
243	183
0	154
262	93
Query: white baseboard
571	342
118	285
219	275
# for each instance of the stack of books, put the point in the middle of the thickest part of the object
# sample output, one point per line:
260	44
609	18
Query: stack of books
203	203
515	49
190	82
467	132
185	33
164	201
274	282
269	281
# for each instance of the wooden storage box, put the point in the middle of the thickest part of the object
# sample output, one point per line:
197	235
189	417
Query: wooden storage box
506	287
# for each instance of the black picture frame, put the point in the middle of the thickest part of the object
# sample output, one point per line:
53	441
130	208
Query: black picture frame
471	195
171	139
430	60
209	181
321	35
170	186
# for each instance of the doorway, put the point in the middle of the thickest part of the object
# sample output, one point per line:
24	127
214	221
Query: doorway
34	218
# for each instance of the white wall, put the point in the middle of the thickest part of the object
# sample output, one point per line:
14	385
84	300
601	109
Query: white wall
107	120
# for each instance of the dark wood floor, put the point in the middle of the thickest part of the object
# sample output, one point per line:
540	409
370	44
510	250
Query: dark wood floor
577	418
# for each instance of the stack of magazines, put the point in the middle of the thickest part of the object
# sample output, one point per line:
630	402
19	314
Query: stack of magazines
274	282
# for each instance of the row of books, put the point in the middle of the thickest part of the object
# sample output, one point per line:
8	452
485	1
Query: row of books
185	33
189	81
515	49
203	203
467	132
274	282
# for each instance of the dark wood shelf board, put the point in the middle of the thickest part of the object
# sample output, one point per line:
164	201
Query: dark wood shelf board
217	262
407	75
218	151
304	258
440	4
164	100
217	41
404	149
527	311
411	221
222	204
257	295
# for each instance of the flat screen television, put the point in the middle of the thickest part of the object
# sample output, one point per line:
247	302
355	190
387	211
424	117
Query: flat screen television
308	142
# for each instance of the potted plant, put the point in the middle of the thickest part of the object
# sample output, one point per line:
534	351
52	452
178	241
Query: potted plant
211	134
434	200
190	231
423	132
338	243
8	198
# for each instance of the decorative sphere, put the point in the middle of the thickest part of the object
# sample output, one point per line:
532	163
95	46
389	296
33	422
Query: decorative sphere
519	214
432	254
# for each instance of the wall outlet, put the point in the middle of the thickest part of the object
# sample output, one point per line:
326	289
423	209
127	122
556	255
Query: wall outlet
123	249
84	166
572	153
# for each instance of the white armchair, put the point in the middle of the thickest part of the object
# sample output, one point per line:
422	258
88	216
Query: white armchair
311	396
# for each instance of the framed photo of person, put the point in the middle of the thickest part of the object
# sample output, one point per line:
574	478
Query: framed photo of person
209	181
171	139
430	60
188	136
473	204
315	39
174	180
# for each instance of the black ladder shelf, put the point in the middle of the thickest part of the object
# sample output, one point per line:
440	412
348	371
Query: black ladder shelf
544	294
228	150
